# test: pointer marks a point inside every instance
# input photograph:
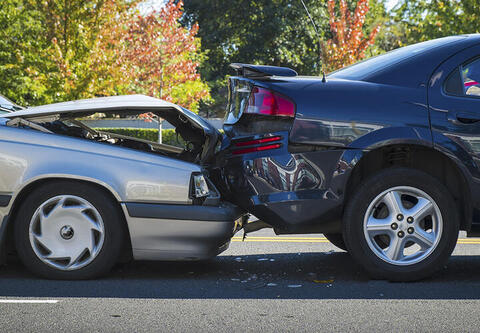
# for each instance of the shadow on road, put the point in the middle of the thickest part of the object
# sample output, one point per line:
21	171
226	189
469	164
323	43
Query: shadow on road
331	275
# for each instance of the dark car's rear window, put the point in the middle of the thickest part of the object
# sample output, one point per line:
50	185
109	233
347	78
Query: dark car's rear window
367	67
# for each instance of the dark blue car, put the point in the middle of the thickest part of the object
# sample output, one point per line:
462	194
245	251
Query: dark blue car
383	157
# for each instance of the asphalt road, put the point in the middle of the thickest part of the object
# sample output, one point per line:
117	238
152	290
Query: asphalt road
267	284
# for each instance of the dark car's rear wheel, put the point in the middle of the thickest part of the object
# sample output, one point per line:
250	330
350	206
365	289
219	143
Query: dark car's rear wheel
67	230
337	240
401	224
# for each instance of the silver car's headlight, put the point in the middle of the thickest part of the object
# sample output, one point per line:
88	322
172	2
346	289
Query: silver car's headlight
199	186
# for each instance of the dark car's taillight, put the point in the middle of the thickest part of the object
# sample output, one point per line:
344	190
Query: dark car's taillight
256	145
266	102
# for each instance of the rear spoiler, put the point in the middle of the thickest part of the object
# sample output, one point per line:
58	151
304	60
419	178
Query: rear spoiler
260	71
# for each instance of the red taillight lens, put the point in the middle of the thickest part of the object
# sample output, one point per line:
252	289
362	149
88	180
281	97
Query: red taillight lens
254	149
272	143
258	141
266	102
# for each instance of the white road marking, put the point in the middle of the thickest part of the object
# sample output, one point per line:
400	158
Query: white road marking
29	301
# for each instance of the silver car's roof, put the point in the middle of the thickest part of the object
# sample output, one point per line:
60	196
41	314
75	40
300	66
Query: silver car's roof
101	104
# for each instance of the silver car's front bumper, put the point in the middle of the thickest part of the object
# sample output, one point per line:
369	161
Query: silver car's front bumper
180	232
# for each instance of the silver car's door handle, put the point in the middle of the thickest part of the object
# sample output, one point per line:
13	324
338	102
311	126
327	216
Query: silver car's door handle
463	117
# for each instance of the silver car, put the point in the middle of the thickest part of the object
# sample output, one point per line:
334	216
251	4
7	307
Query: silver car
74	200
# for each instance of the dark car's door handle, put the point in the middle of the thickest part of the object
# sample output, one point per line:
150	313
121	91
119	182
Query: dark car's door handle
461	117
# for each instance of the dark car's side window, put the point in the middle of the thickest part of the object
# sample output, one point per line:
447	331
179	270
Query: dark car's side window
464	80
471	78
453	84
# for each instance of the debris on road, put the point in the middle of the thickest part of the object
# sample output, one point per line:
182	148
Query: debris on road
256	285
312	276
324	281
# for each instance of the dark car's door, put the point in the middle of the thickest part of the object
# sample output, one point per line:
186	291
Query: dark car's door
454	103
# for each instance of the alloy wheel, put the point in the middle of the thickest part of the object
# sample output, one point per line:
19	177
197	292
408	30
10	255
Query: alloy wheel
403	225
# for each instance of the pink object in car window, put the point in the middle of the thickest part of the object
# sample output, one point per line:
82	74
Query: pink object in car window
471	83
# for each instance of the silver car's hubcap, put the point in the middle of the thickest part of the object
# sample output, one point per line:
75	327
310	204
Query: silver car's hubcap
66	232
403	225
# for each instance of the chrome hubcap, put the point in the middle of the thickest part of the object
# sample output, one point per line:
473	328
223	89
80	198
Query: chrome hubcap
403	225
66	232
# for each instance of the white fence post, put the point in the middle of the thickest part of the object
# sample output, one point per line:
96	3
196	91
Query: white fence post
160	121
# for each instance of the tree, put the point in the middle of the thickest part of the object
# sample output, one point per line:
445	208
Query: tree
348	44
153	54
58	50
272	32
23	70
74	29
428	19
46	45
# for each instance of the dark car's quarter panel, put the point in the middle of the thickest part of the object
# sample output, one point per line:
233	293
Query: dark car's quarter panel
338	113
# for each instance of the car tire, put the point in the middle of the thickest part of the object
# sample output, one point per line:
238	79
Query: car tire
395	213
337	240
69	230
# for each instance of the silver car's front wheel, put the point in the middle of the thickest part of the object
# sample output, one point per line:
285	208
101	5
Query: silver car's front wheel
401	224
69	230
66	232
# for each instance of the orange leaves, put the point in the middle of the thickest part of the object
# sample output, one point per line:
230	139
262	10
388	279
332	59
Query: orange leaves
153	54
348	43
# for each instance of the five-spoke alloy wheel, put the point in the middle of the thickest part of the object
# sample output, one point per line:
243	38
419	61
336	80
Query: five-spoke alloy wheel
401	224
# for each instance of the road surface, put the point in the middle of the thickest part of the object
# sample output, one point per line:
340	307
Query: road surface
266	284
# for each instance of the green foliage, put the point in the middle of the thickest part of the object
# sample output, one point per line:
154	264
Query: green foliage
45	47
57	50
23	72
423	20
169	136
61	50
153	54
272	32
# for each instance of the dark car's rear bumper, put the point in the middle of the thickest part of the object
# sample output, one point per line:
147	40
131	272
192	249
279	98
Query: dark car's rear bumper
180	232
293	192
